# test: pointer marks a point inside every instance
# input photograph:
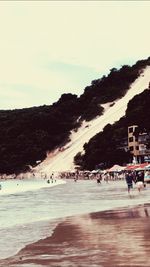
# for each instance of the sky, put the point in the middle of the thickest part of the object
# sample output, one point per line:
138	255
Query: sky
48	48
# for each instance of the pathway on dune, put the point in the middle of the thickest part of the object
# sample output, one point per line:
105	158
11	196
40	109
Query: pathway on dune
63	160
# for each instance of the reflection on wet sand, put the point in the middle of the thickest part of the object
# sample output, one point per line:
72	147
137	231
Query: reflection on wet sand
111	238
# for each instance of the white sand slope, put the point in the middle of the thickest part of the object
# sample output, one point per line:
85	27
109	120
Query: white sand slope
63	160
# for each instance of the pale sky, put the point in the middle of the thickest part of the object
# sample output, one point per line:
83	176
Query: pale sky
52	47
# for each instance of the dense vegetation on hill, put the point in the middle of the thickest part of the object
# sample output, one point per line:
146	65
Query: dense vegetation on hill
105	149
27	134
110	88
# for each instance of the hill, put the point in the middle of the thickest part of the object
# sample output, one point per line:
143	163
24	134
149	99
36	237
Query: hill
105	149
63	160
27	135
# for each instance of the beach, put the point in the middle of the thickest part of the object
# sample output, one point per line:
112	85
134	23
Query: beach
74	224
109	238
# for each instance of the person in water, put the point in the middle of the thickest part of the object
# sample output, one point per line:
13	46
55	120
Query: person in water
99	180
140	180
129	181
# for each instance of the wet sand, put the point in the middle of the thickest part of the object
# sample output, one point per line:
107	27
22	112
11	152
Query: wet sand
110	239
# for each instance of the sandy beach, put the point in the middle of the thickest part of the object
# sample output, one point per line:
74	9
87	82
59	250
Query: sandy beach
110	239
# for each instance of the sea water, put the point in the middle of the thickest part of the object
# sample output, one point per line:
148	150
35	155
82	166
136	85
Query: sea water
31	209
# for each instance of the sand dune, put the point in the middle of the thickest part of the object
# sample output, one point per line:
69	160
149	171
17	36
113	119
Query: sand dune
63	160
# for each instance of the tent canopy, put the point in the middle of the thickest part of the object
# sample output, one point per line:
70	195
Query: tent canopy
116	168
137	167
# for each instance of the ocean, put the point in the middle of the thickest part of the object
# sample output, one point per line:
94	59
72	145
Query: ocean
31	209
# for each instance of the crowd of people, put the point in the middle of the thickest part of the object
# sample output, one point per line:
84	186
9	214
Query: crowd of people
90	175
137	178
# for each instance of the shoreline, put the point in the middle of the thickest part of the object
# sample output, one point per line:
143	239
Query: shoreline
118	237
17	186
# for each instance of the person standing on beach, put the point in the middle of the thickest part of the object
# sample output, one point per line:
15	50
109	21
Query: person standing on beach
129	181
106	177
140	181
98	180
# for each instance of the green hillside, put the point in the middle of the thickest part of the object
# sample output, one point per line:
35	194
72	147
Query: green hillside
105	149
28	134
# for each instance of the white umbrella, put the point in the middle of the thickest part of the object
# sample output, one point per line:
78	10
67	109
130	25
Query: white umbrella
94	171
147	167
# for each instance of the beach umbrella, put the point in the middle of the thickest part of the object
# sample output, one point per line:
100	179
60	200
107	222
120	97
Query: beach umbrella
95	171
147	167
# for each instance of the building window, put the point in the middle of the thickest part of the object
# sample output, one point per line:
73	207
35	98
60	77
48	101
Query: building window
137	147
131	148
131	130
130	139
